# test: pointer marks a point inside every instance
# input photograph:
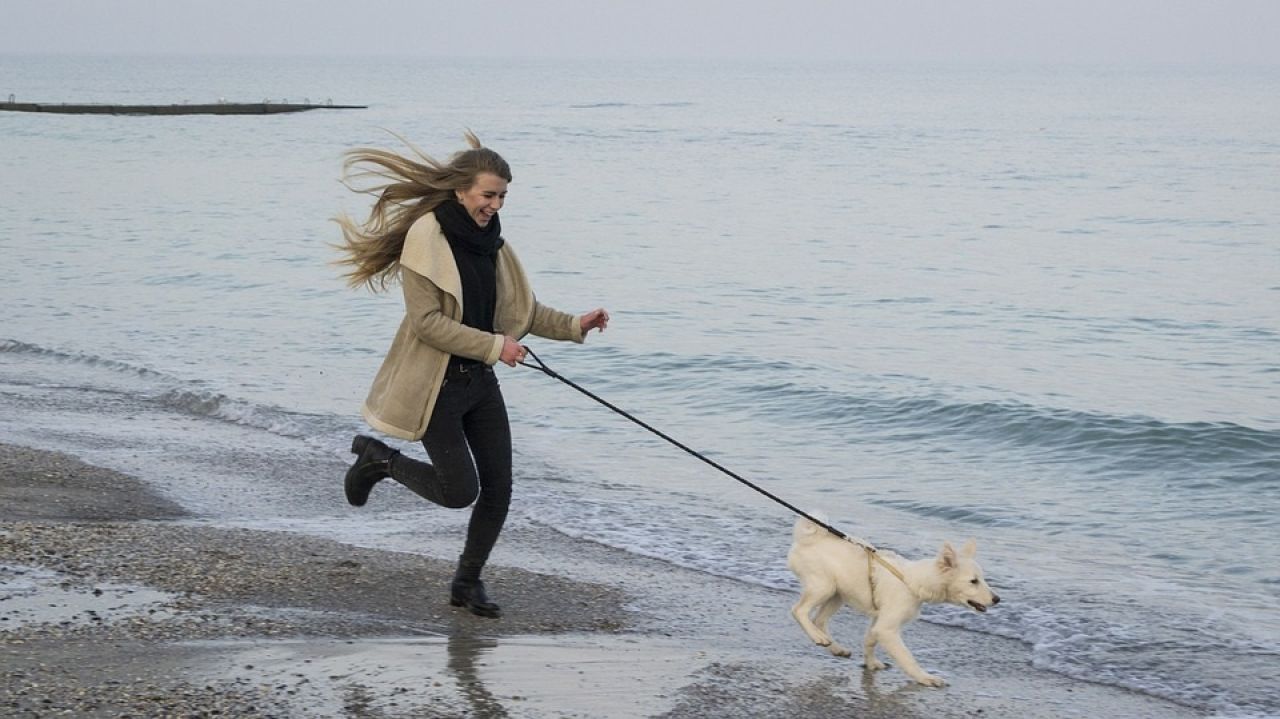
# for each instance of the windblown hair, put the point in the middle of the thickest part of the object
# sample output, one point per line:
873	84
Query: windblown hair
407	188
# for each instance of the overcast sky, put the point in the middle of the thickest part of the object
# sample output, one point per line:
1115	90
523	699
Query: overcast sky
1190	31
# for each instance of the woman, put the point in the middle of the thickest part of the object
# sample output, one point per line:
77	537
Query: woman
435	228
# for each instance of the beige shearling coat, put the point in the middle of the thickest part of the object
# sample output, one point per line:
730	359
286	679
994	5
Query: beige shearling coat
405	389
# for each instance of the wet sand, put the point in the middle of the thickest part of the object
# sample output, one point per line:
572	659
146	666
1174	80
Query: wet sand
116	602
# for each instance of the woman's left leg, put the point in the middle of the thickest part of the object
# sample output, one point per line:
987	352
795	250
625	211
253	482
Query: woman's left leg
488	432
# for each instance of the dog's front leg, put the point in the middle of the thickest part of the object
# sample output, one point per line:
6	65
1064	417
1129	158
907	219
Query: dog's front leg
869	651
886	633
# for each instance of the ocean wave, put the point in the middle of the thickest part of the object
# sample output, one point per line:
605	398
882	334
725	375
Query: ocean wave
961	514
158	389
218	406
24	348
1124	440
787	393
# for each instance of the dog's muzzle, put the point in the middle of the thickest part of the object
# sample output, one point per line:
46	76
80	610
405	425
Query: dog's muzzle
980	607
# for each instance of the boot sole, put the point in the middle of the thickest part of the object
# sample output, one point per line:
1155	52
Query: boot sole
477	610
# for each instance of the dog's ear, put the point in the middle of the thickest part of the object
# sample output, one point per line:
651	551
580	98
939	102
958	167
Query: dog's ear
947	557
969	549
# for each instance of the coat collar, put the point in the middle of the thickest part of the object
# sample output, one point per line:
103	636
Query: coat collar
426	251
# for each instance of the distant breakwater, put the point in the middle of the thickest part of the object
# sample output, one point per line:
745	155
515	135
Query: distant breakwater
215	108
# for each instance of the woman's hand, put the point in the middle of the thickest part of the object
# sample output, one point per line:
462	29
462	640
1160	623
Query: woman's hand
596	319
512	352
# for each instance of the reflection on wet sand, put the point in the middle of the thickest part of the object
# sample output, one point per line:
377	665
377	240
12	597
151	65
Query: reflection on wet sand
465	652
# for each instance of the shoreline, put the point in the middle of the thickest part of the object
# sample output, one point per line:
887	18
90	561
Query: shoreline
117	601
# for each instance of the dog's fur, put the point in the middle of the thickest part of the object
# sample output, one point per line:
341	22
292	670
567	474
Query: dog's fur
833	572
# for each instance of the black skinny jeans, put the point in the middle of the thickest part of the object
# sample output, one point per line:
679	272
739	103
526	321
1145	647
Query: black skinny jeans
469	442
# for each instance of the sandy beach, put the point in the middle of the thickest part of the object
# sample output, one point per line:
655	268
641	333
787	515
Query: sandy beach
116	602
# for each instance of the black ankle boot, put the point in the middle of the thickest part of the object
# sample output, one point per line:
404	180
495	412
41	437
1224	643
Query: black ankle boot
373	464
470	593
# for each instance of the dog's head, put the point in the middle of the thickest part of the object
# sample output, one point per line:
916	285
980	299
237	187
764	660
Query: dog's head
964	582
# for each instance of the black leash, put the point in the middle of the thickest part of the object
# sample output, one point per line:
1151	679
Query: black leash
542	367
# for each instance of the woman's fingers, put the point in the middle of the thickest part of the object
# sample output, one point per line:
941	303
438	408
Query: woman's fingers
595	319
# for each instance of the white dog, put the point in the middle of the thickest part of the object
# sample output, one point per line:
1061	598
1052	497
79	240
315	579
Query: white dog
833	571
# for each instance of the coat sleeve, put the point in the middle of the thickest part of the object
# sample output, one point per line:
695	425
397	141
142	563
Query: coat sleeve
553	324
424	305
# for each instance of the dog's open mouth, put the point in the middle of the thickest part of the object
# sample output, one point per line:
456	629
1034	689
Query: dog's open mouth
977	607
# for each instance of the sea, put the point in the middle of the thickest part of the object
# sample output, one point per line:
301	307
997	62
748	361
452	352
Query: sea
1036	305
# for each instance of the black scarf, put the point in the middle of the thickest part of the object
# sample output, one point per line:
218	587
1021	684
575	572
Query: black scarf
475	252
463	233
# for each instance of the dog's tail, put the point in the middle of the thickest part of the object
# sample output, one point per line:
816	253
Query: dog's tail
806	531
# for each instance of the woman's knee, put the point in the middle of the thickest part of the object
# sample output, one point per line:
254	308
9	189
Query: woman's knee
457	497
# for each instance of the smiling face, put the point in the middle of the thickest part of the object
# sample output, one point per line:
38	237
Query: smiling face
484	198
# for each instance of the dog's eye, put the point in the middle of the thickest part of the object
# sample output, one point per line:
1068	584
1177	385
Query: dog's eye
973	581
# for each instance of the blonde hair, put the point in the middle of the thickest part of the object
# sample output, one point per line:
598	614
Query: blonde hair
407	188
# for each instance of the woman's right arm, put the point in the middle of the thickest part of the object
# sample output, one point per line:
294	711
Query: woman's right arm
424	307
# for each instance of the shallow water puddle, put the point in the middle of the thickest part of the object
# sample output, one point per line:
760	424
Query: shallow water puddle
527	676
34	595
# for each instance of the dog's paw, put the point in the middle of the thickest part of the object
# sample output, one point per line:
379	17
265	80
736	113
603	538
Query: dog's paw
839	651
874	665
930	680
